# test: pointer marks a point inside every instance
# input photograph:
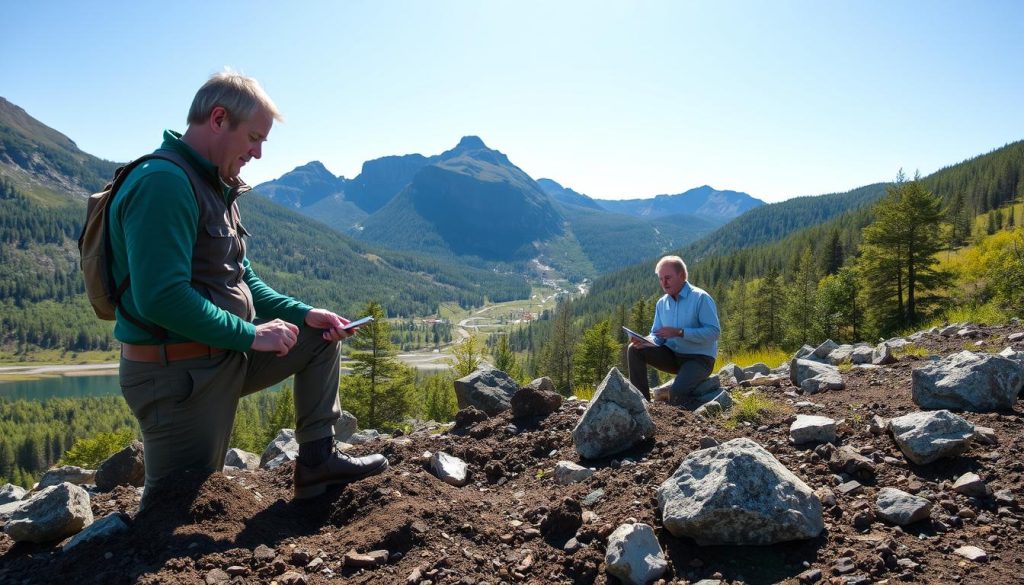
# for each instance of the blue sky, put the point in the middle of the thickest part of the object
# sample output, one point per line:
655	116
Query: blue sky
614	99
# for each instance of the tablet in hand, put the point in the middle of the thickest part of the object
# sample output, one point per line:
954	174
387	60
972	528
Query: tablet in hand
357	323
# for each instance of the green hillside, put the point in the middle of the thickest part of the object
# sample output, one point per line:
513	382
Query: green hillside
43	180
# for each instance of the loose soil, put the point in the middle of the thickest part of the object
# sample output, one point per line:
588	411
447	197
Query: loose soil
512	522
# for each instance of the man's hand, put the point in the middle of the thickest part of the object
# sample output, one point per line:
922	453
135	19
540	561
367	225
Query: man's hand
277	336
331	324
669	332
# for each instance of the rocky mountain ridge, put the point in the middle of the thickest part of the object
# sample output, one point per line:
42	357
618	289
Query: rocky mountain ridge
890	490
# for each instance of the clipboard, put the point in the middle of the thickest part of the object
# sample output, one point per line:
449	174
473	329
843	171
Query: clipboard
644	341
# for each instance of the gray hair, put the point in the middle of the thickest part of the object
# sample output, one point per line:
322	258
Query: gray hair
241	96
674	261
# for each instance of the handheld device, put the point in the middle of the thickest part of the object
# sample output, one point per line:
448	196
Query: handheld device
358	322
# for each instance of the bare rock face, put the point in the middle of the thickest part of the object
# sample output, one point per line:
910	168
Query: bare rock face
634	555
968	381
54	513
488	390
126	467
738	493
929	436
615	420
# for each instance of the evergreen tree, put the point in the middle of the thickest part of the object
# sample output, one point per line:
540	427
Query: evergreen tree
505	359
736	316
595	354
557	355
837	315
466	356
1011	221
959	219
768	303
898	256
799	301
833	256
991	228
282	416
380	389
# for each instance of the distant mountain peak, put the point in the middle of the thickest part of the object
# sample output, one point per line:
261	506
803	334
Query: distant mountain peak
470	143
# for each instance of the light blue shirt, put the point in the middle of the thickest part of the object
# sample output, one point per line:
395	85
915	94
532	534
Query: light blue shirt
696	314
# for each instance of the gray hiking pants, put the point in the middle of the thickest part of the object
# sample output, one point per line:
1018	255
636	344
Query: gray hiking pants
187	408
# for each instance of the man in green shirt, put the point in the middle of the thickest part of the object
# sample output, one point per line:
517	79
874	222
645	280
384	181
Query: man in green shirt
198	327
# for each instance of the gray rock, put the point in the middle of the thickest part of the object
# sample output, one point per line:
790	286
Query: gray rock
567	472
928	436
758	369
877	425
985	435
103	528
489	390
827	375
346	426
283	444
242	459
531	402
51	514
11	493
949	330
901	508
709	409
720	396
821	352
7	509
970	484
804	352
812	429
882	355
1014	337
840	354
862	354
68	473
634	555
449	469
850	488
615	420
126	467
968	381
543	383
731	374
820	383
281	459
365	436
847	460
738	493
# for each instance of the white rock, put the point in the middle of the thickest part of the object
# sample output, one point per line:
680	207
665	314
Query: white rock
634	555
567	472
928	436
449	469
615	420
103	528
11	493
968	381
812	429
283	444
51	514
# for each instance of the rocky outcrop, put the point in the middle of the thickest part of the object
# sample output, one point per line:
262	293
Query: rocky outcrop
615	420
738	493
282	449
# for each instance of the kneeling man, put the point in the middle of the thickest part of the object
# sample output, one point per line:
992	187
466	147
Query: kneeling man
685	332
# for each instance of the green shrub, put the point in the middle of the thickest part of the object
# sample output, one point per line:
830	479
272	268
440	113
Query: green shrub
89	452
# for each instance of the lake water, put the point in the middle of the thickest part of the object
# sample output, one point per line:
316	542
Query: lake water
69	387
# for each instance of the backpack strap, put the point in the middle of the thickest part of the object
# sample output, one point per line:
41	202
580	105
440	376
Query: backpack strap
120	175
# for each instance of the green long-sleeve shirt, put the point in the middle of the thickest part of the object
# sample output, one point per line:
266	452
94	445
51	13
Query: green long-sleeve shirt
153	223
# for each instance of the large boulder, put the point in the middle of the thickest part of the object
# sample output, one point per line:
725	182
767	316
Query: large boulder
738	493
532	401
968	381
126	467
634	555
928	436
883	355
488	390
56	512
67	473
241	459
822	351
615	420
283	448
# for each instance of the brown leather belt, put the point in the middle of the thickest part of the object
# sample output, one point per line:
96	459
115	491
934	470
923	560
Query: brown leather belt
170	352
